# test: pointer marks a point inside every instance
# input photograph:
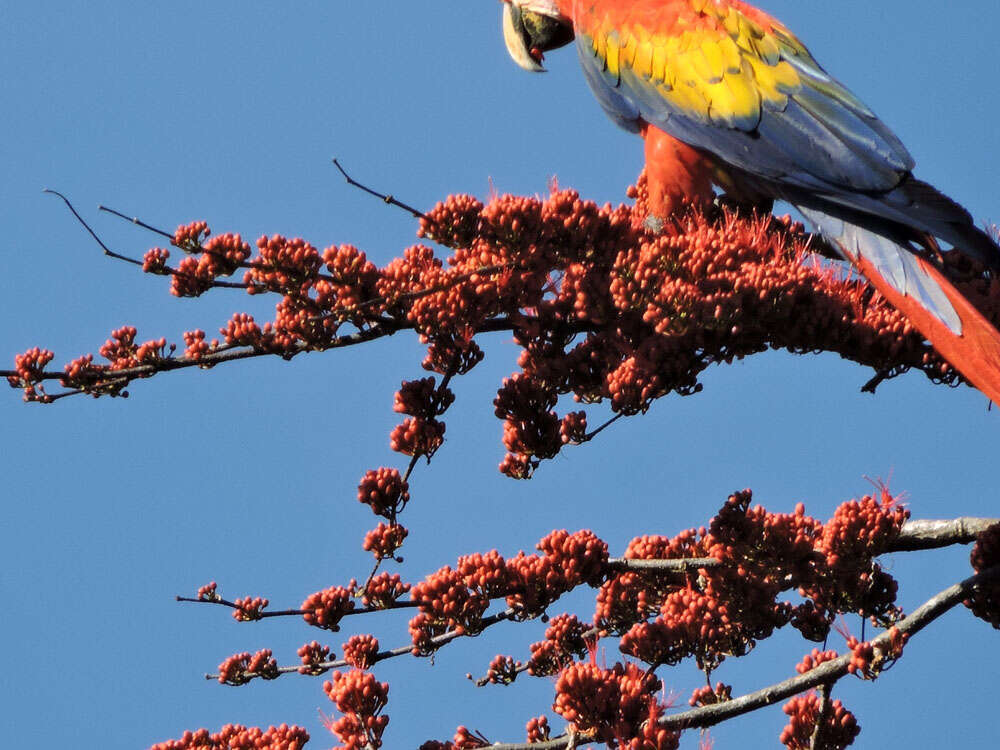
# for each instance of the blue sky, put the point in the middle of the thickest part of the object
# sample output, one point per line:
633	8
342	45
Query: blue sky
231	112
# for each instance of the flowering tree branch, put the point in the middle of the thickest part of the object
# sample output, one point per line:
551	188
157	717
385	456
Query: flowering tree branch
603	310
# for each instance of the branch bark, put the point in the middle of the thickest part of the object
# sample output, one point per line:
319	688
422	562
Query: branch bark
826	673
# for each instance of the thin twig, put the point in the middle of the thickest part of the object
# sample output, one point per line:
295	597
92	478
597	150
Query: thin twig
437	641
295	612
165	271
138	222
250	264
381	196
107	251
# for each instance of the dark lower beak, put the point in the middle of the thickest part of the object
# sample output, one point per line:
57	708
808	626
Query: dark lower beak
528	35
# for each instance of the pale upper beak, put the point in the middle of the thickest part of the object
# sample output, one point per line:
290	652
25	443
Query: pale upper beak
530	31
517	41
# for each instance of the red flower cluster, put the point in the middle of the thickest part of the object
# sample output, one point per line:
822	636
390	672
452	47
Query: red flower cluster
234	736
241	330
384	540
712	612
868	662
503	670
283	265
838	731
188	237
239	669
455	600
417	437
208	592
707	695
28	369
352	286
360	651
155	260
361	699
814	659
616	705
123	353
985	599
565	638
220	256
312	655
568	560
247	609
602	309
383	590
324	609
538	729
450	601
384	490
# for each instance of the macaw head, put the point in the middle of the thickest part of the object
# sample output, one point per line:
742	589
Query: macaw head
533	27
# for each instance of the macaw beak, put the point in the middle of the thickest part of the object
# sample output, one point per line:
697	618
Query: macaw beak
530	32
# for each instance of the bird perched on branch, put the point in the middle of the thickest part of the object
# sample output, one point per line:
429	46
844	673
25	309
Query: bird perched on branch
725	95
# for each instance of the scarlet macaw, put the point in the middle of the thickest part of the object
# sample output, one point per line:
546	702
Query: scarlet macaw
724	94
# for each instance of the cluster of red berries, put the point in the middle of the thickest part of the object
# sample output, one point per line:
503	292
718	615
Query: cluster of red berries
603	310
565	638
324	609
352	284
248	608
985	599
239	669
868	662
361	699
503	670
455	600
208	592
155	260
282	265
384	491
384	540
708	696
538	729
383	590
360	651
123	353
813	659
464	739
312	656
234	736
711	612
220	256
616	705
838	731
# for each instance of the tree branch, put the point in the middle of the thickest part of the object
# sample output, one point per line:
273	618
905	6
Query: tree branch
826	673
438	640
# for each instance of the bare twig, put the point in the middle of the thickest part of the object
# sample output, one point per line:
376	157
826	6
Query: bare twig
294	612
138	222
250	264
165	271
381	196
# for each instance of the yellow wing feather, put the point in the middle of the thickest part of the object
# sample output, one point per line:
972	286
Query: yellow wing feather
716	63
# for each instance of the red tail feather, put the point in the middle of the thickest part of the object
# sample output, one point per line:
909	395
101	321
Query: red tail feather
975	353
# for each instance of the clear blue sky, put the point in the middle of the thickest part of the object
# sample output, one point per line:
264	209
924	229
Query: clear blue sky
231	112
